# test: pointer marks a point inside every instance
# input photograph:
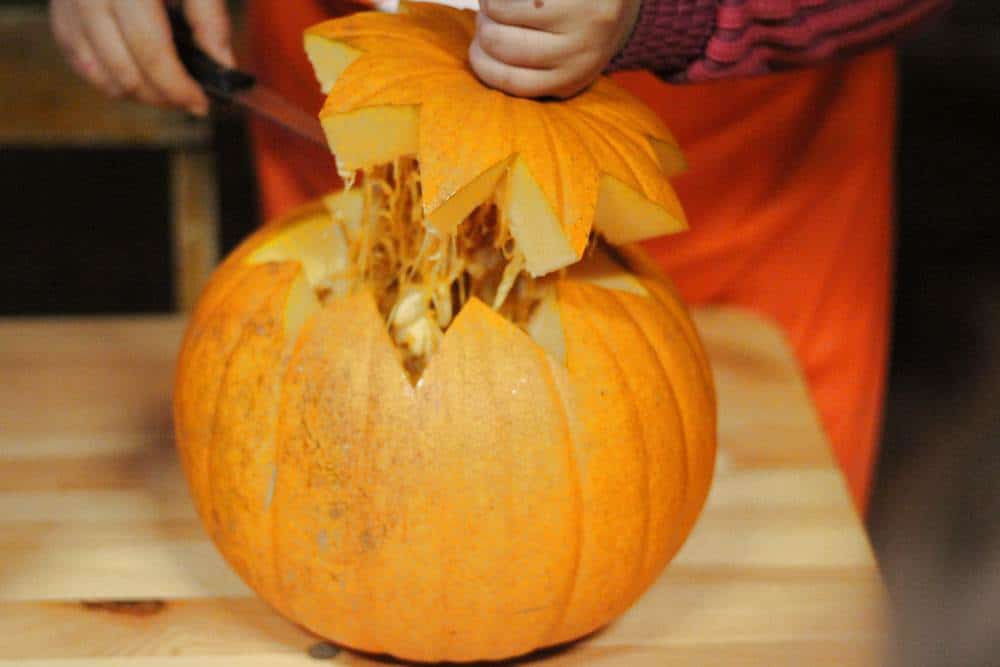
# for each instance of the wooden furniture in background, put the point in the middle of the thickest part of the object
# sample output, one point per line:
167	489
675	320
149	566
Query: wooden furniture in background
45	105
103	561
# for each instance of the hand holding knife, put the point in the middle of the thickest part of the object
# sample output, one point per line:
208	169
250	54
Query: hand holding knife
233	86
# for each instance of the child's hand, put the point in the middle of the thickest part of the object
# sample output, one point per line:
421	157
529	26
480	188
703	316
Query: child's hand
124	47
535	48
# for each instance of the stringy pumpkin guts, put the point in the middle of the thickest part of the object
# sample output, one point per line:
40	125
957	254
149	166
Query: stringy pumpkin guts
420	277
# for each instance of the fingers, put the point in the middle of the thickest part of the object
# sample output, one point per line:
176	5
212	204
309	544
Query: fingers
209	20
146	34
525	81
124	47
538	14
108	43
530	62
521	47
551	48
79	55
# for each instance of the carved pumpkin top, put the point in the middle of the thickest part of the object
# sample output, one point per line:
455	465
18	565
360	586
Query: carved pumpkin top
401	84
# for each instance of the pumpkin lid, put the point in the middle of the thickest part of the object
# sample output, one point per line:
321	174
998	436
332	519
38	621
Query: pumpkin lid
400	84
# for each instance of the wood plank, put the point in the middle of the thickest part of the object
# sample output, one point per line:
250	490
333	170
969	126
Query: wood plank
257	660
150	627
140	537
823	653
161	568
704	608
70	382
93	508
54	107
761	391
782	654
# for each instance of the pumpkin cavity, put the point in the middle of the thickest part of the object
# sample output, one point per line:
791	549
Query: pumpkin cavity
420	276
373	237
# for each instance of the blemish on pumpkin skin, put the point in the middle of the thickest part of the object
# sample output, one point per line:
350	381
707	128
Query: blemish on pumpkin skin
126	607
269	496
539	4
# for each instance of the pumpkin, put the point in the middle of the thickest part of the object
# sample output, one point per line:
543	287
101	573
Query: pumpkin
434	414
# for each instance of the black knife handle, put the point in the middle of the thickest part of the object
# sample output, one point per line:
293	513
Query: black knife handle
219	81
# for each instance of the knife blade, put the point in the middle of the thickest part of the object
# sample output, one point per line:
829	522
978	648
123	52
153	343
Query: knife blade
237	87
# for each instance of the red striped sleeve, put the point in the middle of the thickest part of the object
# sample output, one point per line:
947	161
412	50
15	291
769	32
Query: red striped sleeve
697	40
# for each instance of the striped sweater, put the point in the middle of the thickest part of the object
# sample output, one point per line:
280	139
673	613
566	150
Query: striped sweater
698	40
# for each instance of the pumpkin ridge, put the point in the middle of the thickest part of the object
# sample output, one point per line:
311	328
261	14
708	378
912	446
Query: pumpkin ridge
574	473
680	318
560	194
439	632
212	463
199	348
609	97
589	205
642	432
365	100
205	313
265	320
490	380
366	460
596	131
462	26
366	28
679	315
436	139
449	26
215	294
682	415
427	47
281	418
246	330
694	503
312	379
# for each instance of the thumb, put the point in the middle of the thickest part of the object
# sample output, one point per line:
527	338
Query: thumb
209	20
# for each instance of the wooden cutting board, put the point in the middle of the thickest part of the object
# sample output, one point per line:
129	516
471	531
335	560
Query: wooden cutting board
103	562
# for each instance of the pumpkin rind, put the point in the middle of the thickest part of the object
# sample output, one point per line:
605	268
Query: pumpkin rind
507	501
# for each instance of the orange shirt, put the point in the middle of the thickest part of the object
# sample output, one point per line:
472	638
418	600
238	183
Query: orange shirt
789	195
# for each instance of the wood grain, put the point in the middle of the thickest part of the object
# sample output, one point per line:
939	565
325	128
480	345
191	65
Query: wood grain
104	563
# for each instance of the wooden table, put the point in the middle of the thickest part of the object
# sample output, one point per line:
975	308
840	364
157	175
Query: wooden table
103	562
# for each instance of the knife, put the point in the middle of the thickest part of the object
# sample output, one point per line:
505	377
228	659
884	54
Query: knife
233	86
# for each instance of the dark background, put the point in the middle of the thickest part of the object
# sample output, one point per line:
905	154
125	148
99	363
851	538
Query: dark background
87	232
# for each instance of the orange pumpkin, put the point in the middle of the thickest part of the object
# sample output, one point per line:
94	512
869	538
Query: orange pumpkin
402	434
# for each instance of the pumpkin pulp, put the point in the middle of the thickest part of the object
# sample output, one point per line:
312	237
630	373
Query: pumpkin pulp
377	239
422	276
